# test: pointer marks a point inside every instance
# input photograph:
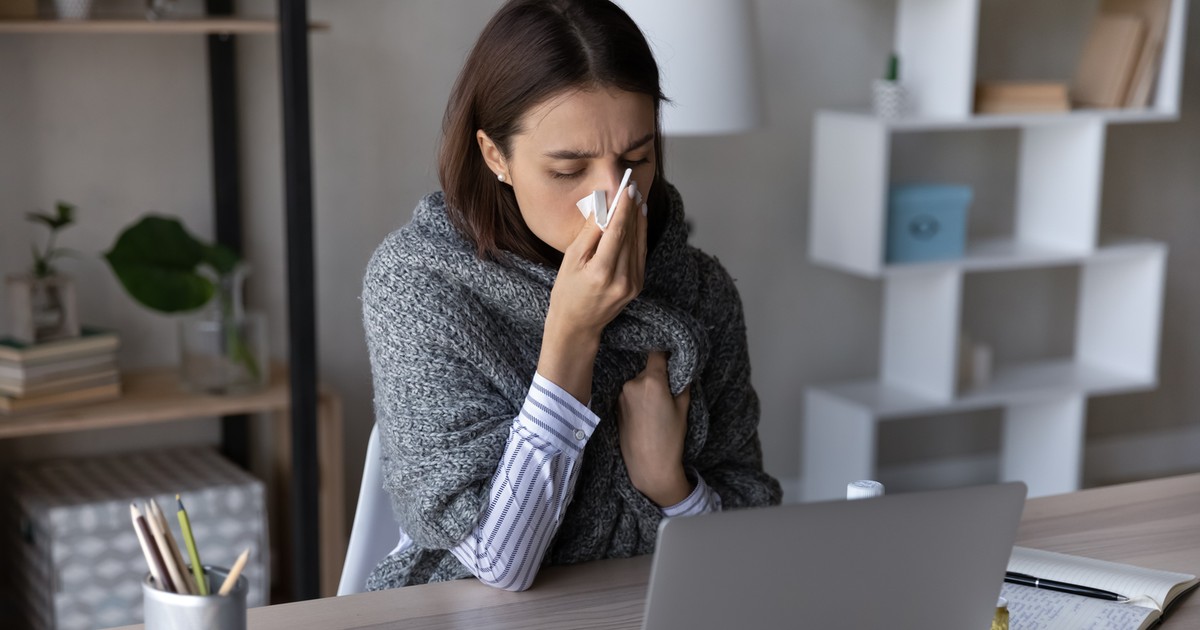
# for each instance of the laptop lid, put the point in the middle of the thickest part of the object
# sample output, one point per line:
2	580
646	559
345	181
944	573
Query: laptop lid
918	560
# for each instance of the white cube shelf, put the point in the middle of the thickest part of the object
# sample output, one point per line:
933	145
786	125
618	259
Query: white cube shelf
1056	214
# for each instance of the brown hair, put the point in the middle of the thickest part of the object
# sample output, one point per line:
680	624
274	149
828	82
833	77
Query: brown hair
530	51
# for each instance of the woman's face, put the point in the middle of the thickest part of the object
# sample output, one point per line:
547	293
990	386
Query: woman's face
570	145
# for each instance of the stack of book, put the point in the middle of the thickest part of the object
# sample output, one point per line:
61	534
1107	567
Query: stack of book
35	377
1119	64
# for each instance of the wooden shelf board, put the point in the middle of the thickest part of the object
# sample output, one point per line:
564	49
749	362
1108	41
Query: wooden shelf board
149	396
1008	121
1012	384
1009	254
197	26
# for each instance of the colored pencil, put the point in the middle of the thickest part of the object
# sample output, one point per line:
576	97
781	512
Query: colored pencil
174	569
157	568
188	580
231	579
193	553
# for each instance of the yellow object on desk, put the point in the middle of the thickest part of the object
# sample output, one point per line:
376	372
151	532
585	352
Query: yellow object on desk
1000	621
193	553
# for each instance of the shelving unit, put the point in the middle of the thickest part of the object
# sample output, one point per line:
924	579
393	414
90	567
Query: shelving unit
311	561
197	26
1056	217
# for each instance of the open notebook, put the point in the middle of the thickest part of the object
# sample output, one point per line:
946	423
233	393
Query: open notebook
1150	592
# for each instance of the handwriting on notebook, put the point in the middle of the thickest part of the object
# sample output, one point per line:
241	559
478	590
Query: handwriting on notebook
1040	609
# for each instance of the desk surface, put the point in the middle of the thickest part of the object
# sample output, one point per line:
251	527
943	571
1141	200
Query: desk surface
1153	523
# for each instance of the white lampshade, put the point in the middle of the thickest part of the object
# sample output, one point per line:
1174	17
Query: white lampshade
706	56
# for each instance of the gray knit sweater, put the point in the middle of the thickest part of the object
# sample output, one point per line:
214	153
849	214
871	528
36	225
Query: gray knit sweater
454	344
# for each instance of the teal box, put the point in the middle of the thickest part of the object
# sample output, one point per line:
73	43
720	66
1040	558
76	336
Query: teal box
927	222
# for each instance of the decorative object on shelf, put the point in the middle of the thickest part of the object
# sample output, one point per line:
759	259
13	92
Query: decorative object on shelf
42	302
1021	97
974	363
18	9
223	348
927	222
161	9
73	9
889	99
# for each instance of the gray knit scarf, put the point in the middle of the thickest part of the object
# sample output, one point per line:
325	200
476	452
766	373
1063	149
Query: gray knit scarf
454	344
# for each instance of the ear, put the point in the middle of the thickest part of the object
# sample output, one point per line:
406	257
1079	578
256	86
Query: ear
492	156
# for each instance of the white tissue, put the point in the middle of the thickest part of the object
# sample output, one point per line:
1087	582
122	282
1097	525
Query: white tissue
596	204
588	207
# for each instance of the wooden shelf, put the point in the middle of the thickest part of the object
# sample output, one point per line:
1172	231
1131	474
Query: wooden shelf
197	26
150	396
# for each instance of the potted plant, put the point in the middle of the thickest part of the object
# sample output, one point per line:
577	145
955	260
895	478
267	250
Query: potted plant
43	300
223	348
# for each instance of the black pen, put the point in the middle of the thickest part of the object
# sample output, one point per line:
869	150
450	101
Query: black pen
1062	587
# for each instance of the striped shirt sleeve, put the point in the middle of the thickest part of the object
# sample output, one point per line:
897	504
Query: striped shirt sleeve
530	491
702	500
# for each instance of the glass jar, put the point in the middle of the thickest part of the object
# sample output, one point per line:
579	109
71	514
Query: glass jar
223	348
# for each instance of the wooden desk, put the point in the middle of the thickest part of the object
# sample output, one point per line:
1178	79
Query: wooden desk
153	396
1154	523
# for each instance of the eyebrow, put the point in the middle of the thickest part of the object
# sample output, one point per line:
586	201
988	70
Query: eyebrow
574	154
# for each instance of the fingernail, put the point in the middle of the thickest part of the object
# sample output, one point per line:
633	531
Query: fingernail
631	189
644	210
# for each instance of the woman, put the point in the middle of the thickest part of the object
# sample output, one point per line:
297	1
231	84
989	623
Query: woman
547	391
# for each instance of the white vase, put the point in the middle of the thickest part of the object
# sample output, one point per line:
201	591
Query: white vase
73	9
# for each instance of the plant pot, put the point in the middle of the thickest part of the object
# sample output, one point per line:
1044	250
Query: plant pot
889	99
42	309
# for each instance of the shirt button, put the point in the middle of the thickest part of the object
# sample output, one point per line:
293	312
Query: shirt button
579	434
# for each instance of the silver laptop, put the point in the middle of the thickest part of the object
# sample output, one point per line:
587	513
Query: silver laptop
924	560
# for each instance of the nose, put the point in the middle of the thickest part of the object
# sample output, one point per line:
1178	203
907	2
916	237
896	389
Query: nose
608	179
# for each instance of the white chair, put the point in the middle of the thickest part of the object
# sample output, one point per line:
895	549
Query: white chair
375	532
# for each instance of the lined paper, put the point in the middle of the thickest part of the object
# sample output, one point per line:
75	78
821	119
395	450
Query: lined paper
1039	609
1146	587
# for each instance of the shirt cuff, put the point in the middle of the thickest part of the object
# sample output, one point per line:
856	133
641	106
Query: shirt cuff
552	414
701	501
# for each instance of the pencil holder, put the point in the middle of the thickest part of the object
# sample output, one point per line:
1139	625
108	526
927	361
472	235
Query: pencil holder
163	610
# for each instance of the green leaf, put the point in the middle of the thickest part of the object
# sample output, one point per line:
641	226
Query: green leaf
162	288
45	219
66	214
155	260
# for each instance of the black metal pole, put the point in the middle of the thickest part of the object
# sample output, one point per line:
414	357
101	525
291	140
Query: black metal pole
227	186
297	169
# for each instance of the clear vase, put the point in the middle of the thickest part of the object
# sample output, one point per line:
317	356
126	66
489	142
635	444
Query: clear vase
223	348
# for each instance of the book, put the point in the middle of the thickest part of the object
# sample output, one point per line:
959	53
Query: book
1156	14
80	380
1150	592
43	371
1109	56
1021	97
91	341
12	405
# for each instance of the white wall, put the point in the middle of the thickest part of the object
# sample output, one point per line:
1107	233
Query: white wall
119	126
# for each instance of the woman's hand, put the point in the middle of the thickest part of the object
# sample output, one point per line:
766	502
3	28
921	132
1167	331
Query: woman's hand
653	425
601	272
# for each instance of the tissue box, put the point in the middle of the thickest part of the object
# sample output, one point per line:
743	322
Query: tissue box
927	222
72	552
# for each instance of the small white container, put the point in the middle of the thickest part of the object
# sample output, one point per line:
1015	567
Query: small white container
889	99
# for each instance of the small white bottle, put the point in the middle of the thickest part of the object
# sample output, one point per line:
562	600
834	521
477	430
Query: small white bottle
863	489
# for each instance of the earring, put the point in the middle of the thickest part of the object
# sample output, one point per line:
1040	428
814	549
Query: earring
500	176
